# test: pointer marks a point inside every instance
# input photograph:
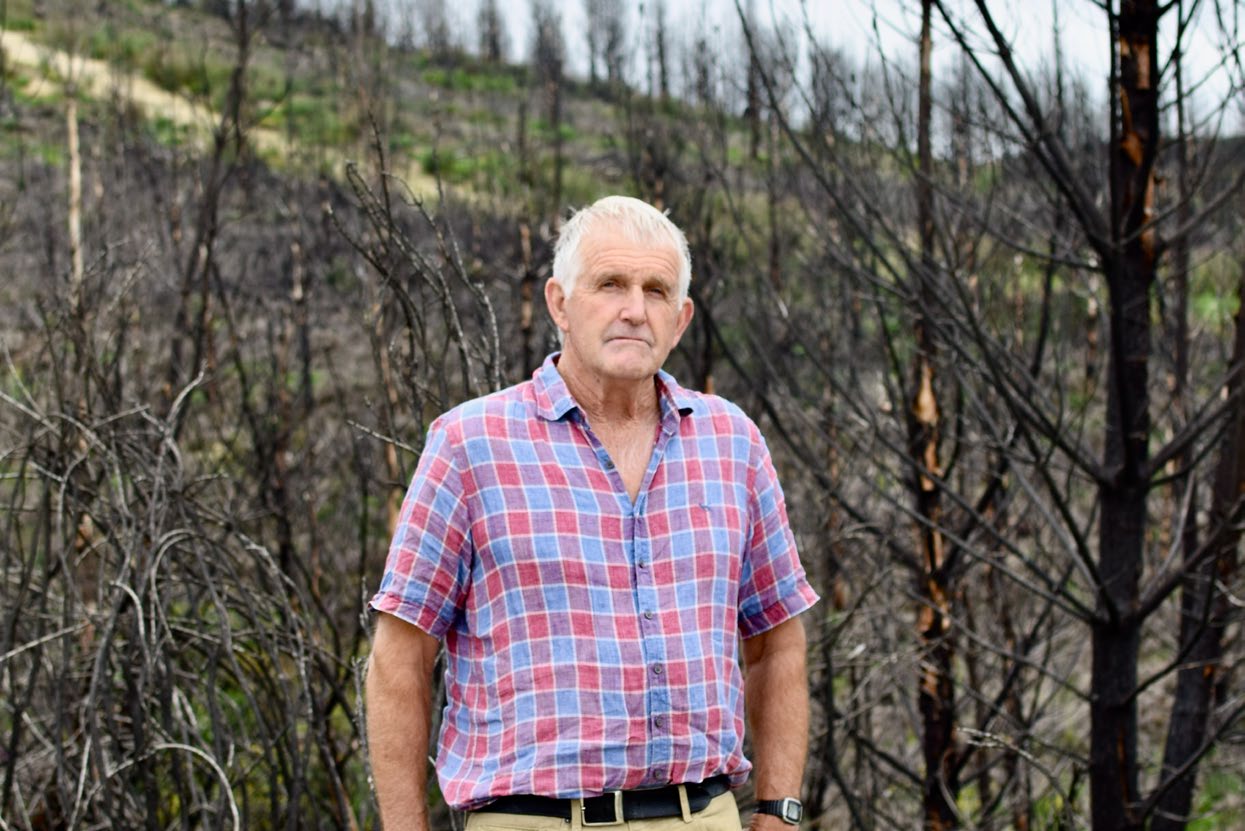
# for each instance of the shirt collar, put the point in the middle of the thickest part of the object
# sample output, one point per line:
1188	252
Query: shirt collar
554	401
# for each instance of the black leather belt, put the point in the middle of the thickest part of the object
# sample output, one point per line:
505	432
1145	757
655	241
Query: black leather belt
616	807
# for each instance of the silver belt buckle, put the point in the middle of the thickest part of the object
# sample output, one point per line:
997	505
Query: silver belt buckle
618	811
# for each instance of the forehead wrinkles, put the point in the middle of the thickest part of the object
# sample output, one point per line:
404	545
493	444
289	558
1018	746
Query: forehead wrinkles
623	260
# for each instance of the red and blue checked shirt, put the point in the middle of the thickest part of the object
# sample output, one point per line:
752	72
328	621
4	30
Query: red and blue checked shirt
591	642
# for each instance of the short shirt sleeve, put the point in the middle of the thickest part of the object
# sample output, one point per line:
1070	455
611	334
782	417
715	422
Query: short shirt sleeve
428	568
773	586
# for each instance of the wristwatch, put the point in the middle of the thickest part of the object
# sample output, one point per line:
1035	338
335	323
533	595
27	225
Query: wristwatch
788	809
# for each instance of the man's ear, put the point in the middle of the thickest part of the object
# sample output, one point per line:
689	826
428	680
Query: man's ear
555	300
686	311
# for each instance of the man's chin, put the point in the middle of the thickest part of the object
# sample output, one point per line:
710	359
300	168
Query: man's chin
630	370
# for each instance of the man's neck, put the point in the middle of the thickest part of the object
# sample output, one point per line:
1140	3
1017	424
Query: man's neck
611	402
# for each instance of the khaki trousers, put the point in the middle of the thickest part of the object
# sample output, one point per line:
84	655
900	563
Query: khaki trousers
719	815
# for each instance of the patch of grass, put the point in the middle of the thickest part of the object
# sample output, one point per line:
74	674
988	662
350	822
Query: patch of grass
265	83
124	47
1214	298
969	801
446	164
169	133
1214	308
36	94
462	79
488	118
401	142
313	120
1049	811
542	129
581	186
19	24
1220	787
177	73
50	154
491	170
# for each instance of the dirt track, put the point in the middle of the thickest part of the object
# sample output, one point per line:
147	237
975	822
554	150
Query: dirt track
50	68
98	80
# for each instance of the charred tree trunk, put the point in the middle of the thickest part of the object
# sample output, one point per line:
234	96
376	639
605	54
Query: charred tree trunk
662	48
559	157
527	308
752	111
549	57
1204	611
936	693
193	324
1190	709
772	195
1129	273
77	271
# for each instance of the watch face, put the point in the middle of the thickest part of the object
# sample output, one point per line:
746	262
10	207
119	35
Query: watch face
792	810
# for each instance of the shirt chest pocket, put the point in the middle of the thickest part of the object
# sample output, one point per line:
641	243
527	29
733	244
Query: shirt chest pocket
710	523
697	564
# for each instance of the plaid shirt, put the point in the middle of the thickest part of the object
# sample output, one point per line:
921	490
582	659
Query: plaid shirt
591	642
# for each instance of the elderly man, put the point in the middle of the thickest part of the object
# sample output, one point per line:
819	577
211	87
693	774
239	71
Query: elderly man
591	545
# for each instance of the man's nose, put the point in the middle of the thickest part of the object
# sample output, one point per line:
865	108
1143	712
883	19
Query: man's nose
633	309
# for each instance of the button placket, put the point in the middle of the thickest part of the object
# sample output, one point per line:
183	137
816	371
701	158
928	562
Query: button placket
659	746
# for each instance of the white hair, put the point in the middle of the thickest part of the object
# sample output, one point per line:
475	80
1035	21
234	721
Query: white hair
636	220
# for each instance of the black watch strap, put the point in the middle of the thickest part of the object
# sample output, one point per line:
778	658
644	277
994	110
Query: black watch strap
789	809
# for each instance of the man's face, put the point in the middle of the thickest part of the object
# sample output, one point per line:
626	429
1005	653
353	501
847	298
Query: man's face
623	315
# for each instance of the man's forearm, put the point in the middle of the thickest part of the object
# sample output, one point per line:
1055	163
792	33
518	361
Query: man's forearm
399	715
776	701
779	722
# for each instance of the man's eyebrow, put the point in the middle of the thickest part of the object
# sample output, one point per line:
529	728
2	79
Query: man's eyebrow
644	278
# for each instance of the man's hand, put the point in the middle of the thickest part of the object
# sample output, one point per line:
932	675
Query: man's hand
776	703
399	718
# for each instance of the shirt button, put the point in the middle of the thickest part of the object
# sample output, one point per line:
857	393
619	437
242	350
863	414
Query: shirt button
657	722
657	669
648	615
609	464
643	564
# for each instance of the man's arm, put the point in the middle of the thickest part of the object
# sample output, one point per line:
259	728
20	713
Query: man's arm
776	703
399	719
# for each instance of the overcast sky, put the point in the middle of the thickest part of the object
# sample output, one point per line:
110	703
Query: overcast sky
866	29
